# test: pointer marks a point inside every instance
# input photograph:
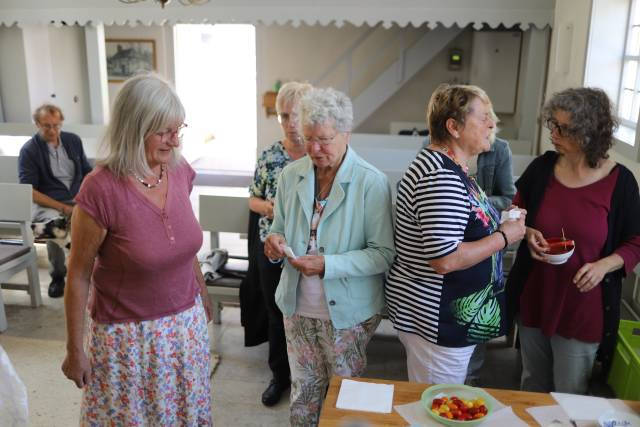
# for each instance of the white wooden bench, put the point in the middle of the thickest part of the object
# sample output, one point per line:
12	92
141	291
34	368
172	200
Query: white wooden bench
15	212
223	214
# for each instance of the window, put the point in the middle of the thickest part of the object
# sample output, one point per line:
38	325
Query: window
216	81
613	64
629	95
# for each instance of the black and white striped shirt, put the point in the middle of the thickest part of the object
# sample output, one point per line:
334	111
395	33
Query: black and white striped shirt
437	208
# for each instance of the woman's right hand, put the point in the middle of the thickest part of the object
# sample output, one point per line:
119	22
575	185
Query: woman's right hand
76	367
515	229
537	244
274	246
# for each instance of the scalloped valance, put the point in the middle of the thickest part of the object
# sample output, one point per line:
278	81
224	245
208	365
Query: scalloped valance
524	13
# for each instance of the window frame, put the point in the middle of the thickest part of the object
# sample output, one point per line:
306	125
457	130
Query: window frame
633	4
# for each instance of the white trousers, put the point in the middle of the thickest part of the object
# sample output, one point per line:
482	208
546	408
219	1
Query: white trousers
433	364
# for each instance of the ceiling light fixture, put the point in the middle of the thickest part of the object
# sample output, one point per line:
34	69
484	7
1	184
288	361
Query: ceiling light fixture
165	2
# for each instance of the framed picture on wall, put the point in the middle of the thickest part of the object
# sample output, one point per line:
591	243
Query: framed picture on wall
126	57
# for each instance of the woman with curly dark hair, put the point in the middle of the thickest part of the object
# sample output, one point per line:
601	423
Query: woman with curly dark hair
570	312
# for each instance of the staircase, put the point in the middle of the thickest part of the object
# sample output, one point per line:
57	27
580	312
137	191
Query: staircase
408	61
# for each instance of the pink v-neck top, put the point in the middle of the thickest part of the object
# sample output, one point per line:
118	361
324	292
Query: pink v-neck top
144	269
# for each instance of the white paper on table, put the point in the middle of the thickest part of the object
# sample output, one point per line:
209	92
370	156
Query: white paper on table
579	407
546	415
415	414
362	396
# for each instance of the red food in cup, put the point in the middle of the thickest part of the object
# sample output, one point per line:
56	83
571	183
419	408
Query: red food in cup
559	246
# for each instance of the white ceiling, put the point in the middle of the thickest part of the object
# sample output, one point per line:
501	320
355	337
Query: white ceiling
525	13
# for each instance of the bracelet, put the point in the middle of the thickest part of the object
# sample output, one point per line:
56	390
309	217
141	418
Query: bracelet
504	236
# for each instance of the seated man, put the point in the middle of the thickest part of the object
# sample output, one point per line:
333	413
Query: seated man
54	163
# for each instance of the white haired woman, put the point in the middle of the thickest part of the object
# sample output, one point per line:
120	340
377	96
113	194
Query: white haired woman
135	241
262	195
445	290
333	210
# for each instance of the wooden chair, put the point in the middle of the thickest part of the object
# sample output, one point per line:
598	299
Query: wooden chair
19	254
223	214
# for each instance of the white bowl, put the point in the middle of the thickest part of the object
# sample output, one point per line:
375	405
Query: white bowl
561	258
618	419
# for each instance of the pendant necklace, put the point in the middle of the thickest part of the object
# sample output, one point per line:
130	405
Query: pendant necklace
145	183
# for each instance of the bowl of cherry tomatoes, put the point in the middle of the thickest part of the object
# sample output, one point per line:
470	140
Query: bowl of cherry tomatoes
457	404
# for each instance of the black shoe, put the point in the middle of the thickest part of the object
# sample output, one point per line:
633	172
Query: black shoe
56	288
274	392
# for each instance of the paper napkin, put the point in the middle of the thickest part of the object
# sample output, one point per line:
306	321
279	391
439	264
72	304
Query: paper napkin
362	396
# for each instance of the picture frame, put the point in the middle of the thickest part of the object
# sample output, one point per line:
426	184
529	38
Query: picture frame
126	57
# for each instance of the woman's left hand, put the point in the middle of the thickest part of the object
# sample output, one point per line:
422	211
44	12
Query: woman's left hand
590	275
309	265
206	304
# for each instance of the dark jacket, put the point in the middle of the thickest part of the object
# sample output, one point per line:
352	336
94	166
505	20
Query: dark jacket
623	224
253	311
34	167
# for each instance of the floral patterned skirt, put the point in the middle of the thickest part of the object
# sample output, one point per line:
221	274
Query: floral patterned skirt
149	373
317	350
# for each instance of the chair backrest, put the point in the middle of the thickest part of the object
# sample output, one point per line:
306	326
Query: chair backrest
15	208
15	202
224	213
9	169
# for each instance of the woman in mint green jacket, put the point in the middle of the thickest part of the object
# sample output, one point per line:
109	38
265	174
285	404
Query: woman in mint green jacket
333	210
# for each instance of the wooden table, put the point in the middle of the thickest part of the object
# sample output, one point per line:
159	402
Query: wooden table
406	392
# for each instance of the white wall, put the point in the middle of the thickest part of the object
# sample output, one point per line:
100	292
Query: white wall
38	66
70	77
409	103
43	64
283	53
164	48
287	53
13	77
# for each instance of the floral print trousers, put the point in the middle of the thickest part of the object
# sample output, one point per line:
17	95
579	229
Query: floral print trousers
317	351
149	373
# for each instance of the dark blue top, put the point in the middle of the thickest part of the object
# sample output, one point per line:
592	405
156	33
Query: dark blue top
34	167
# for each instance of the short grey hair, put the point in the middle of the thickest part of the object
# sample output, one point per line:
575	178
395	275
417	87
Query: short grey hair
47	109
320	106
593	121
291	92
145	104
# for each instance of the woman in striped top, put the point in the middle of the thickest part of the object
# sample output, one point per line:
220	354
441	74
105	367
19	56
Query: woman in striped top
445	290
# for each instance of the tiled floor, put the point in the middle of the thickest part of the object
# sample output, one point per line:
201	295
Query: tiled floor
35	345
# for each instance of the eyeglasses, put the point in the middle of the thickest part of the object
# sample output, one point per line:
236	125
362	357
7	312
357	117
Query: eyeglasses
561	130
286	117
321	141
169	134
49	127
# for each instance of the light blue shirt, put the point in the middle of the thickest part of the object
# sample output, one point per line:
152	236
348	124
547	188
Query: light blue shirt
62	166
355	234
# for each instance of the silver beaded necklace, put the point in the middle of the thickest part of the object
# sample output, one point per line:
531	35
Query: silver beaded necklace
145	183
